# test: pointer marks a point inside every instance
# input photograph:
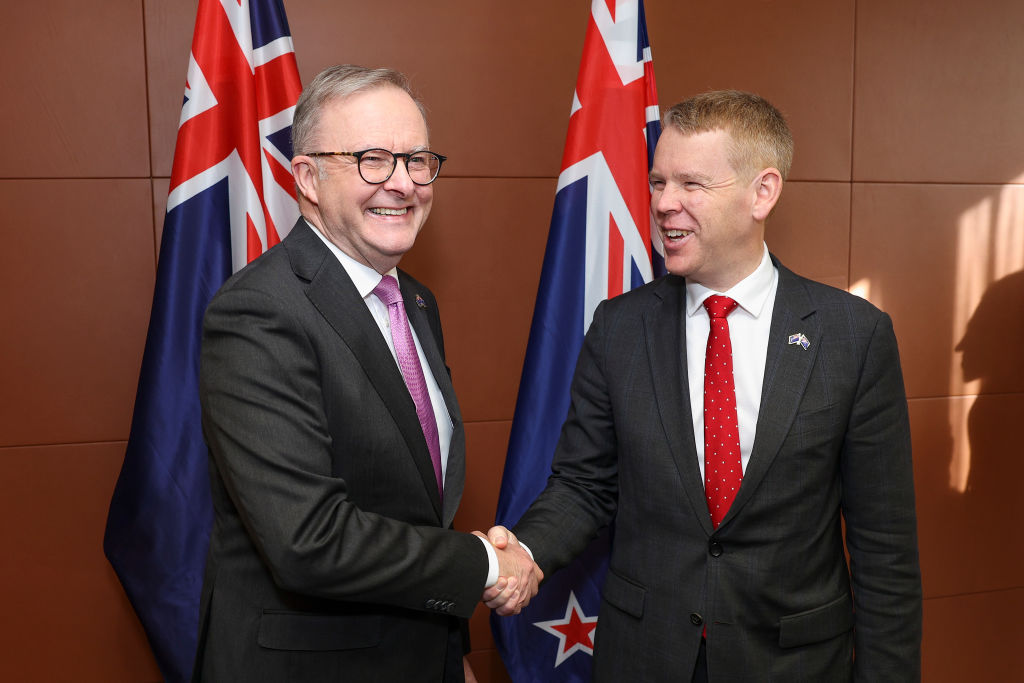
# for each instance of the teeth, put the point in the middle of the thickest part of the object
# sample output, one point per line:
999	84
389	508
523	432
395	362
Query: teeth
389	212
677	233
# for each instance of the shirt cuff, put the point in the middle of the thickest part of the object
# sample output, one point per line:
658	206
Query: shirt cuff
492	563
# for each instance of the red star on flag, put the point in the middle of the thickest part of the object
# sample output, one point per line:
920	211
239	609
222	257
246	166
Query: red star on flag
575	632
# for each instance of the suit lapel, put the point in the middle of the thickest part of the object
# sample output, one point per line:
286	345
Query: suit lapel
331	291
787	370
665	329
416	309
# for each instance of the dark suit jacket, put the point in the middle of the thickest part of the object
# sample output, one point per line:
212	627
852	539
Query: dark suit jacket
771	584
329	556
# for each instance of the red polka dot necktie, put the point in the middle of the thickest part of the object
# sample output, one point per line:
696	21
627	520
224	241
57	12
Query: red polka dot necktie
722	469
409	362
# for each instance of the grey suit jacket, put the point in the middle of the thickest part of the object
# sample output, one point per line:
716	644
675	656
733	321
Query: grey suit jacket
329	557
771	585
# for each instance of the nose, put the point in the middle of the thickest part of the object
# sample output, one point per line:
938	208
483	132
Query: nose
664	200
400	181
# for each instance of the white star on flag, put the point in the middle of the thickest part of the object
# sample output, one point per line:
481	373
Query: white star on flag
575	632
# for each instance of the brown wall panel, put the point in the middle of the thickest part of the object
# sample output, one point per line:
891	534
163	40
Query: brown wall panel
161	186
67	618
927	254
481	253
488	667
169	27
809	231
74	99
938	91
486	444
76	282
966	492
798	54
974	637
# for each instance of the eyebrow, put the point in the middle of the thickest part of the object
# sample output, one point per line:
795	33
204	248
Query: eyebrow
683	176
415	148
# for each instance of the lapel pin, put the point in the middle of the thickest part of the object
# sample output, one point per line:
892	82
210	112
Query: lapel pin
420	302
800	339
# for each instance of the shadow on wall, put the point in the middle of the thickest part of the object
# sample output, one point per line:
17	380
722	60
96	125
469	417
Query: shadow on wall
988	306
968	483
960	301
992	351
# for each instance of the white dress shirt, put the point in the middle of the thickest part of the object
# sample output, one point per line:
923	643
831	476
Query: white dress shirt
749	326
366	279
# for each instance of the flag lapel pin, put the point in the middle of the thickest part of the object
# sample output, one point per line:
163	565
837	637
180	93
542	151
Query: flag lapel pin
800	339
420	302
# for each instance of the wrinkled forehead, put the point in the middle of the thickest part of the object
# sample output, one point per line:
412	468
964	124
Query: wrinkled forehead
385	117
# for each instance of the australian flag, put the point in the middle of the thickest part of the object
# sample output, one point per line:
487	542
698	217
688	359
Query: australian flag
602	205
231	198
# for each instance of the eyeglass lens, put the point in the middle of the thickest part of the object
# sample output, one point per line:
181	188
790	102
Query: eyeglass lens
376	165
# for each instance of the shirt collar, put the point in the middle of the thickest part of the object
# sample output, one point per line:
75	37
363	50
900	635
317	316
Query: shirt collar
363	277
750	293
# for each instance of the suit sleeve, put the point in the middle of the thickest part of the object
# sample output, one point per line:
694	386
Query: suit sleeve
265	423
881	527
581	493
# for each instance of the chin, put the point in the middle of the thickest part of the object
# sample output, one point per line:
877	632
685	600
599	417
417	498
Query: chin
397	248
677	266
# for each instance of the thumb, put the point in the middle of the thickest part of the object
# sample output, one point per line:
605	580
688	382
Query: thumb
498	536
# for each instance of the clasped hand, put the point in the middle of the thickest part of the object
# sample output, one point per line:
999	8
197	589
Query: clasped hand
519	576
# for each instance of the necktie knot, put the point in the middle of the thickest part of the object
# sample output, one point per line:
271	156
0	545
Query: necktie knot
387	290
719	306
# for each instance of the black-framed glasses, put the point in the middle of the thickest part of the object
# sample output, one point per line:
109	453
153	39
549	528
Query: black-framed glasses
377	165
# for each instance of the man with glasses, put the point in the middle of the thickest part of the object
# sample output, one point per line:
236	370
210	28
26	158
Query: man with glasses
337	446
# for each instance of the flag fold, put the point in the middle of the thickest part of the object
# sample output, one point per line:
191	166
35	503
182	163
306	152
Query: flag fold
231	198
599	245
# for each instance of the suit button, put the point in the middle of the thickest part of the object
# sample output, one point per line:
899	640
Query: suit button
431	604
715	548
696	619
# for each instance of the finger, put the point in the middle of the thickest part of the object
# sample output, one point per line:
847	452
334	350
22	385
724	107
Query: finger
499	536
504	600
495	590
509	594
508	610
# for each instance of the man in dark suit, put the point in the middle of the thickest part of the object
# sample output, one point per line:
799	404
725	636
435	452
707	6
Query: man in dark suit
337	449
727	560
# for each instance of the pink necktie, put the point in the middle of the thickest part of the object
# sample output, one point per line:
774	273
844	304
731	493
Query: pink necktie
723	471
409	361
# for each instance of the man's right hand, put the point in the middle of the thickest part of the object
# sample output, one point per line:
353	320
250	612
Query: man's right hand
519	576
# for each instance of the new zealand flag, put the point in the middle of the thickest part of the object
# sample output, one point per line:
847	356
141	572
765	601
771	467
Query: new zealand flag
599	246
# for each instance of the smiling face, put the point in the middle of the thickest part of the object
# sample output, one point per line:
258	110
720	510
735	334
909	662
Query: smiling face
709	215
374	224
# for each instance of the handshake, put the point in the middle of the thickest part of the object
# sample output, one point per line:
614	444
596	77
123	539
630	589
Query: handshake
519	576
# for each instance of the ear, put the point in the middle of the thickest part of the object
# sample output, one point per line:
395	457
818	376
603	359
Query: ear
767	189
307	178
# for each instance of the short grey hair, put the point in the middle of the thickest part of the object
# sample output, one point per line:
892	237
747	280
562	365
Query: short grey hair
334	83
